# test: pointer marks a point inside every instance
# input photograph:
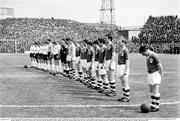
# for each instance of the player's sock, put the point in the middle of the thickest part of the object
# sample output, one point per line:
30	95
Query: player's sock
99	83
113	86
126	92
73	71
80	75
156	100
153	103
93	83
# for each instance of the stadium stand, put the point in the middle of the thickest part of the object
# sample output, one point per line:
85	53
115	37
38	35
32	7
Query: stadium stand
162	33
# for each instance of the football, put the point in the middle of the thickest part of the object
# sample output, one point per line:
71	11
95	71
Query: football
145	108
25	66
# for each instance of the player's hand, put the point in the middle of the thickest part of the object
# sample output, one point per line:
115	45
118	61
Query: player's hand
110	65
90	67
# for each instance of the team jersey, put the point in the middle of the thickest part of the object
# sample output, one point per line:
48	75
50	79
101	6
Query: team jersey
41	49
78	51
32	49
83	53
123	56
45	50
37	49
72	50
90	54
56	49
102	54
63	51
152	62
109	51
50	47
97	51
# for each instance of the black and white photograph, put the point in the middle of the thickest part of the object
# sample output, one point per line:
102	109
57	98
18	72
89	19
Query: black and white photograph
89	60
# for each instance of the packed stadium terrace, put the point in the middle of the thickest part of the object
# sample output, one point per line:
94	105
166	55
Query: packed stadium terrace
163	33
27	30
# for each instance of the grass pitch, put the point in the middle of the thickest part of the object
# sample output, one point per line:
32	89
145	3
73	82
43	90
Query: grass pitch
30	93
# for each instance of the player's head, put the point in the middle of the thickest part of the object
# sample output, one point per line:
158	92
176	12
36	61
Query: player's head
101	42
122	42
89	44
85	42
96	43
144	50
108	38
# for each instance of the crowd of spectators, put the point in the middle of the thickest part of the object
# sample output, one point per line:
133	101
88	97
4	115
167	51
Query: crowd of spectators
27	30
162	33
7	46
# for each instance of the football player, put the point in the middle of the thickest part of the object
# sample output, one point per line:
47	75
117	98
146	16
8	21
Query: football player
110	65
123	70
155	72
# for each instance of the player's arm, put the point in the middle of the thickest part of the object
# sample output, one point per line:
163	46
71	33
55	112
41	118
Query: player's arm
113	53
105	49
159	65
126	53
93	55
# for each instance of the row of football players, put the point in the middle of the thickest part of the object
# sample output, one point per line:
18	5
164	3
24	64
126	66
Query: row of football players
95	64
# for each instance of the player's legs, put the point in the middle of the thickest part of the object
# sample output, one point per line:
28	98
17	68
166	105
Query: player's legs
112	83
154	80
155	97
80	72
125	88
72	69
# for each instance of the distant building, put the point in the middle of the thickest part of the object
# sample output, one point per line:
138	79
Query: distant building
6	12
131	31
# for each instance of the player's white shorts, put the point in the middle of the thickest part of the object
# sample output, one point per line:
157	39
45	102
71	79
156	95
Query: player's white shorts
102	71
70	58
88	65
113	65
96	63
120	70
83	63
154	78
77	60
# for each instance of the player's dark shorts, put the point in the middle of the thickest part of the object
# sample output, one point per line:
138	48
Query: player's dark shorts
50	55
31	55
45	57
36	56
41	56
63	59
56	57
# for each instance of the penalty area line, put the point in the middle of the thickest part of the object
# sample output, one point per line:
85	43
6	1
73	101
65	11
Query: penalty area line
78	106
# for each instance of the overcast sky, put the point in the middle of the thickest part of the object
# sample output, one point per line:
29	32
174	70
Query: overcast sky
127	12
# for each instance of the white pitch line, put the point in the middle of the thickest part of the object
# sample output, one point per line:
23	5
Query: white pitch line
15	75
78	106
12	76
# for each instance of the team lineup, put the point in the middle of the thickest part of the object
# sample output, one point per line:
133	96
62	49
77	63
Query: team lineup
95	65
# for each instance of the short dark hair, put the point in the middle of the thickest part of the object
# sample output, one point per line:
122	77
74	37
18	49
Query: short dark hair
101	40
143	48
90	43
49	40
109	36
96	42
67	39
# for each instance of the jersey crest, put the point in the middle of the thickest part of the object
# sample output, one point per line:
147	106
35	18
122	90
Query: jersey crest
150	60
